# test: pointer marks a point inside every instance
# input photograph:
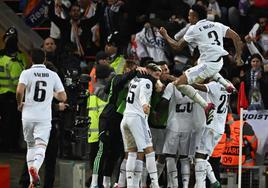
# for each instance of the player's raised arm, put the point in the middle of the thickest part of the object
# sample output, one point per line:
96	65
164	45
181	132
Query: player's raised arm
176	45
237	43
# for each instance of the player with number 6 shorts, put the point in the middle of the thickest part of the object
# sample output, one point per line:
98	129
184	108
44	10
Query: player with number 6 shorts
39	85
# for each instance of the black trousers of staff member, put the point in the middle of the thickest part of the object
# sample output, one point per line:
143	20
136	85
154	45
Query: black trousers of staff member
10	123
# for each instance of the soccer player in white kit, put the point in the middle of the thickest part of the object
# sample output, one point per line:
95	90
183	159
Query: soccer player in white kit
211	134
208	37
135	129
39	85
178	134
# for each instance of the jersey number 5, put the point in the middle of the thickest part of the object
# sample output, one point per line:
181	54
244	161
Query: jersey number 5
39	91
130	97
213	35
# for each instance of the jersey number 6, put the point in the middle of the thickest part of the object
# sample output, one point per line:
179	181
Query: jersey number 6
39	91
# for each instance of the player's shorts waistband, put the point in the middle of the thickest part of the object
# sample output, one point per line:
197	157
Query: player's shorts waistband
217	59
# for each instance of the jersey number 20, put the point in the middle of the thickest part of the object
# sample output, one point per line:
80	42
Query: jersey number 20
39	91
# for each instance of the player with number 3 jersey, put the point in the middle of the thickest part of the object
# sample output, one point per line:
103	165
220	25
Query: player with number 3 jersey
39	85
208	37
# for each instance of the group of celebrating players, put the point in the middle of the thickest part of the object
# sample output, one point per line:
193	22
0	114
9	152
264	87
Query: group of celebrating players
196	102
192	132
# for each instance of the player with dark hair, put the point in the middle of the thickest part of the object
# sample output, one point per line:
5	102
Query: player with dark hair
135	129
110	139
208	37
38	85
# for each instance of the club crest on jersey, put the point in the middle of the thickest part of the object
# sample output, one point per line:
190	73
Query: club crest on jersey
148	86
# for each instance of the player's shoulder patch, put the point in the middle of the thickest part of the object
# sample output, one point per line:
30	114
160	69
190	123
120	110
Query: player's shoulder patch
148	86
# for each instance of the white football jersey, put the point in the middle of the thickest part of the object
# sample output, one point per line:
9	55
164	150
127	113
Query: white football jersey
40	84
219	97
139	93
208	36
180	111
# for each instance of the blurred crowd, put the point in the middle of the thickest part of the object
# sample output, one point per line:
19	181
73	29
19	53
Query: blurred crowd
129	29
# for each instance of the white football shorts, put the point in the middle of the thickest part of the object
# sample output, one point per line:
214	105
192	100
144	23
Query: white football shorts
36	130
158	139
209	139
135	132
201	71
177	142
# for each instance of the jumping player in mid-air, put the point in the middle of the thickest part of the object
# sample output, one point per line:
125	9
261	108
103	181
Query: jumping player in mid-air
208	37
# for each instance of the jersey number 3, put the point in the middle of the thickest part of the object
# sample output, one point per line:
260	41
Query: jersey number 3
39	91
213	35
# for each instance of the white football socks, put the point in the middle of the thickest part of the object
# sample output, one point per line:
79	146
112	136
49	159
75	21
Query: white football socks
30	158
160	167
185	171
106	182
210	173
94	181
151	167
138	172
130	168
39	153
218	78
122	175
144	176
172	172
200	173
192	94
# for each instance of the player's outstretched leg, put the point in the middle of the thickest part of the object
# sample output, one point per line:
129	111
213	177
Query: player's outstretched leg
228	85
196	97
